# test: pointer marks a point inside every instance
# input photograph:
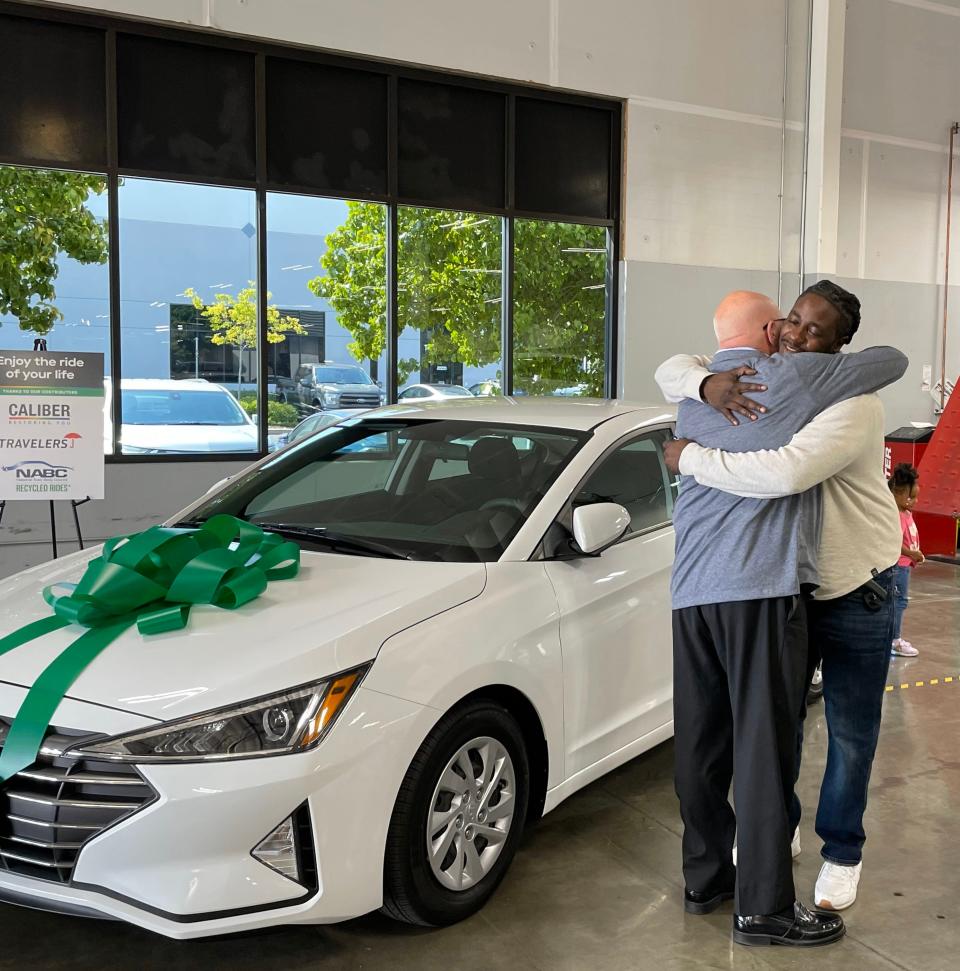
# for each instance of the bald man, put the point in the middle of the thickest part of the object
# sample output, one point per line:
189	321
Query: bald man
743	567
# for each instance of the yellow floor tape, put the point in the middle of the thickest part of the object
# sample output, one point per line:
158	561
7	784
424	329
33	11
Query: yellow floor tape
920	684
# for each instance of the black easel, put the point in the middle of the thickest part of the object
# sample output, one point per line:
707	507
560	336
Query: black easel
74	505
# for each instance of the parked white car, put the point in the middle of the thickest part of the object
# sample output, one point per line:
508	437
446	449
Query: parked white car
170	417
481	625
433	392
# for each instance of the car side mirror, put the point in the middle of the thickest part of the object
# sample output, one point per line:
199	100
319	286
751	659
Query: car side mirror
598	526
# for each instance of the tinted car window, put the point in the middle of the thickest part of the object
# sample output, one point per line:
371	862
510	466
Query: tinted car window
424	489
342	375
156	407
635	476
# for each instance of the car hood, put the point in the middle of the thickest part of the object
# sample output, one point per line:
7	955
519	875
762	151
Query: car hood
334	615
191	438
350	388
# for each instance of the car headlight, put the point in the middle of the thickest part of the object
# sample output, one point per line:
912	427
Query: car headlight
331	397
279	724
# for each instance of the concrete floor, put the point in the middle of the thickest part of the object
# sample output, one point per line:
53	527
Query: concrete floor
597	884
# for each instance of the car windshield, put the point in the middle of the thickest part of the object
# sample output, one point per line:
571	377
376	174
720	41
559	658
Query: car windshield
453	390
154	406
414	488
312	424
344	374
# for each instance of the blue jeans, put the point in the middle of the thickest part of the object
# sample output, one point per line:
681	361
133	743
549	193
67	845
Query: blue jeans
852	637
902	583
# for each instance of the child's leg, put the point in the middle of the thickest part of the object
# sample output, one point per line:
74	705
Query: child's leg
902	582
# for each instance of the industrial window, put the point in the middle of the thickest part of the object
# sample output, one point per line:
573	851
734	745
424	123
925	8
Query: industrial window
451	145
52	94
278	209
326	128
563	159
185	109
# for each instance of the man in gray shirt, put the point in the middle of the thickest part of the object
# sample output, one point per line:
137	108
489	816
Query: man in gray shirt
740	640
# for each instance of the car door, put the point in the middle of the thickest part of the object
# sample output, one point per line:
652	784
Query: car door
615	608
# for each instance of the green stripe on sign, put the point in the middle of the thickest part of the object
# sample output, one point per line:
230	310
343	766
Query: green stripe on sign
61	392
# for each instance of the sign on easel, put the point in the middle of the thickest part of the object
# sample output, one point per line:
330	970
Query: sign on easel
51	425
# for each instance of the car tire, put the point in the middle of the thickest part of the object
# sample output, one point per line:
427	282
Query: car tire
420	885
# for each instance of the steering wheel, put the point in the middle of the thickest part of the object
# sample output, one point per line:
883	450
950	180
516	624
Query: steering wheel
506	504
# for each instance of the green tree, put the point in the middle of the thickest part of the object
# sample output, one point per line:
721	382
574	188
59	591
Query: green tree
233	321
449	288
43	214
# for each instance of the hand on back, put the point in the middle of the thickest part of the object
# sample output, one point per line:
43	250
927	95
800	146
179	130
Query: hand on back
726	392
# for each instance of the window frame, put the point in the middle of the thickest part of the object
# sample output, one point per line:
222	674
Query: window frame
112	25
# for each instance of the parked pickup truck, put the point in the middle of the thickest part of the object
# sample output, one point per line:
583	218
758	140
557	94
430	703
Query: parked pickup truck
330	386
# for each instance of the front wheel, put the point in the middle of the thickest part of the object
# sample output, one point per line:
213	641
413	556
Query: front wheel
458	817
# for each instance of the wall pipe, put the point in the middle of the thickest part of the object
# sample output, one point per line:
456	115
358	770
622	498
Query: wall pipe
783	147
802	266
954	130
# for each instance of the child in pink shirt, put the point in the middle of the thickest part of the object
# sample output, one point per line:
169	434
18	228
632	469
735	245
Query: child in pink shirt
903	485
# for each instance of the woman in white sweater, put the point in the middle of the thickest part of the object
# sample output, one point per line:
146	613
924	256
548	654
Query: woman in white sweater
851	617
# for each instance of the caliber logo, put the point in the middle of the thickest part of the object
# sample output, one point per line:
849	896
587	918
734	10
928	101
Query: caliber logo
37	469
38	412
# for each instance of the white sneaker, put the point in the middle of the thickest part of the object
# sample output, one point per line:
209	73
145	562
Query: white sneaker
902	648
837	886
794	846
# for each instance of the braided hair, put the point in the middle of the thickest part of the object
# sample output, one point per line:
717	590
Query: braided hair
905	476
843	301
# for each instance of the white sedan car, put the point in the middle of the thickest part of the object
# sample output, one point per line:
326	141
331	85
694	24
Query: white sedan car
179	417
480	627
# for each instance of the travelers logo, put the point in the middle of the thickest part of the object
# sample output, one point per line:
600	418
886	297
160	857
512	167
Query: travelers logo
37	469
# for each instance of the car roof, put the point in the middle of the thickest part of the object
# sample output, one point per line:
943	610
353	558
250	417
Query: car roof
581	414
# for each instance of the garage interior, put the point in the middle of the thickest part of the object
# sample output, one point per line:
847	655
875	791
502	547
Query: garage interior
756	144
597	884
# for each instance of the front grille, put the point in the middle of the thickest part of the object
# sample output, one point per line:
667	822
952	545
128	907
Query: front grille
51	809
359	400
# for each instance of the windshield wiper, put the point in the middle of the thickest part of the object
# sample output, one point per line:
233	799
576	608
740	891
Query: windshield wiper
336	541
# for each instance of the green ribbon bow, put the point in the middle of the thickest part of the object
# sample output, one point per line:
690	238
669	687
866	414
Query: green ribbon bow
151	579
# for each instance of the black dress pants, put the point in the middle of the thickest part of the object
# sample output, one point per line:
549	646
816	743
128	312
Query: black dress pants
739	684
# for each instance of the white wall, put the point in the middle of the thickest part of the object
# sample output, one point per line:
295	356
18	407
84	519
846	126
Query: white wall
901	93
704	84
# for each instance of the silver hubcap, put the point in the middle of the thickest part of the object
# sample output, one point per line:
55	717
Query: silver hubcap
470	813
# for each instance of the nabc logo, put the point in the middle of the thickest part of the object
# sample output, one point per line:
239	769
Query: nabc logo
37	469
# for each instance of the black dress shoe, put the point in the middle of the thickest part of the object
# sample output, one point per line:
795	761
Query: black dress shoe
794	927
705	902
